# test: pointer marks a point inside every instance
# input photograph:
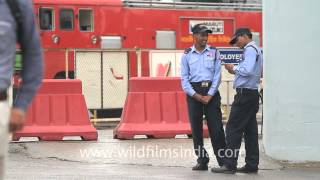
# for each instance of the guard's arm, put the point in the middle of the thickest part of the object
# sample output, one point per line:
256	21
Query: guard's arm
216	79
185	73
246	68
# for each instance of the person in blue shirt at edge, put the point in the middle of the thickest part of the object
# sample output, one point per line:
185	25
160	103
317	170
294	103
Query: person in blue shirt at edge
17	24
200	79
242	120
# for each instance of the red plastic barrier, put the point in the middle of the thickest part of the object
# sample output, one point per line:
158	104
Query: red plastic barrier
62	86
155	107
58	110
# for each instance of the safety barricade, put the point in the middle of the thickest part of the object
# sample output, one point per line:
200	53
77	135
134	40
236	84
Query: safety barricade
58	110
155	107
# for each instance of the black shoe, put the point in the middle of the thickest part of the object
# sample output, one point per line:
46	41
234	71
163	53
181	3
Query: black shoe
246	169
200	167
223	169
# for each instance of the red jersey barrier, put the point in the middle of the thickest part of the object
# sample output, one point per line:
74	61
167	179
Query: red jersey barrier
58	110
155	107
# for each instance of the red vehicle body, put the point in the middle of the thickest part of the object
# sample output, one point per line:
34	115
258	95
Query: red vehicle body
136	26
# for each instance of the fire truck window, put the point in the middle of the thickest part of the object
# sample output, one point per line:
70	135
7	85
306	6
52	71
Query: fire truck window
85	20
46	19
66	19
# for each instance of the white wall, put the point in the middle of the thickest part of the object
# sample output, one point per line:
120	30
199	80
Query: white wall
292	79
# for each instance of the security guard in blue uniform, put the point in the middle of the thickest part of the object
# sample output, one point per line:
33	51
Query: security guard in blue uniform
242	121
201	77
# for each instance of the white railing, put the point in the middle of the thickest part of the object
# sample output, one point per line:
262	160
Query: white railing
235	5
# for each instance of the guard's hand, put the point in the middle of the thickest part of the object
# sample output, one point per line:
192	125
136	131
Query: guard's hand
16	121
198	97
207	99
229	68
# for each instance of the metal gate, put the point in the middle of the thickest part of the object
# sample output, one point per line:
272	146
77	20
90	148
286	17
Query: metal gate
104	76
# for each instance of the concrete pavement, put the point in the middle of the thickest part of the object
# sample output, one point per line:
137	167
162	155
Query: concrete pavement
129	159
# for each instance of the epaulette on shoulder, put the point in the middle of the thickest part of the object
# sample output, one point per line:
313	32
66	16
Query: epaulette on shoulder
212	47
253	48
187	51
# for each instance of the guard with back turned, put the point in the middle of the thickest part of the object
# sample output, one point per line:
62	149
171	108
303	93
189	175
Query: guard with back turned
242	120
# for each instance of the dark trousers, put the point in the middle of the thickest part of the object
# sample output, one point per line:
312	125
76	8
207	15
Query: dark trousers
243	123
213	115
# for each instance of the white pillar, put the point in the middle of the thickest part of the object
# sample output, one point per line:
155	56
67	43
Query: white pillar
291	44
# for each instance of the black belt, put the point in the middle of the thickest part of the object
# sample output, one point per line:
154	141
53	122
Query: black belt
246	90
201	87
203	84
3	95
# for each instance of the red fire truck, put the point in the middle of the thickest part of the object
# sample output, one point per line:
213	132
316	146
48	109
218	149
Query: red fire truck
75	31
91	24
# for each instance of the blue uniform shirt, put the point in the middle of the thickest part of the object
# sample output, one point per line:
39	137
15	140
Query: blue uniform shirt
200	66
248	72
32	60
